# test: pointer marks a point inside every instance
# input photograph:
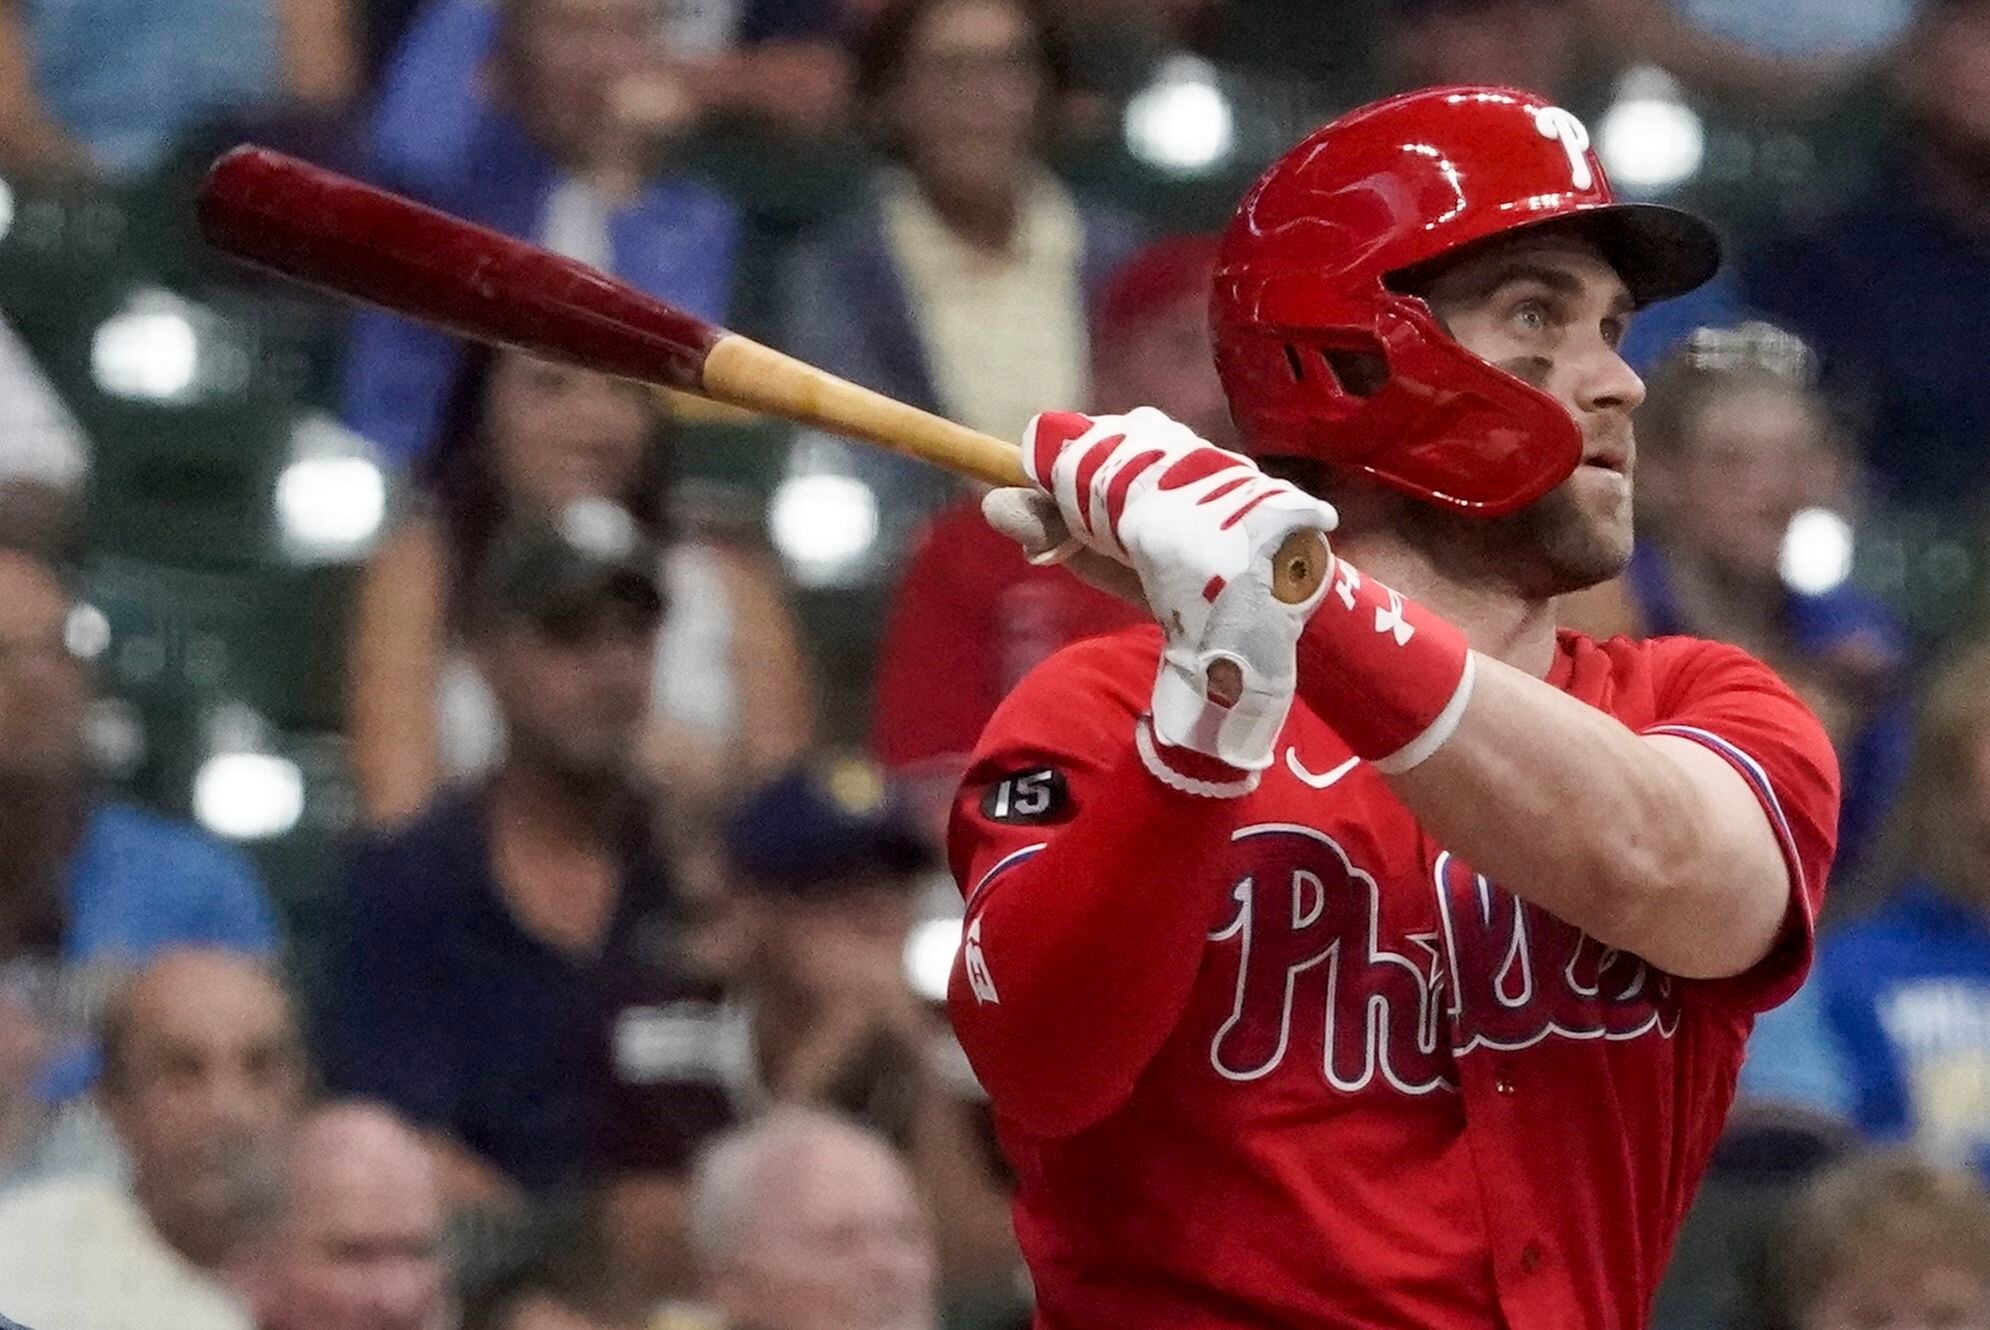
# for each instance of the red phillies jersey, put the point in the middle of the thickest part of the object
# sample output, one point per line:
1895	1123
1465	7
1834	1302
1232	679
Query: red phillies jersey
971	618
1320	1073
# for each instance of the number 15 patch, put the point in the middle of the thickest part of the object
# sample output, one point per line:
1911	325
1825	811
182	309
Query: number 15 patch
1026	798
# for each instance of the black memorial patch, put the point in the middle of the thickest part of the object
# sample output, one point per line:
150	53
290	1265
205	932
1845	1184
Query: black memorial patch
1025	798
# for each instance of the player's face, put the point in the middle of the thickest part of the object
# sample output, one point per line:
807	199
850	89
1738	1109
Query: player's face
1549	310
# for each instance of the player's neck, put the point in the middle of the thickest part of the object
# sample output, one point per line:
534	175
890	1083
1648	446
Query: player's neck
1496	620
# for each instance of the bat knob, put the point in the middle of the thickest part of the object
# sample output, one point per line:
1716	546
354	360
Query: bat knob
1299	566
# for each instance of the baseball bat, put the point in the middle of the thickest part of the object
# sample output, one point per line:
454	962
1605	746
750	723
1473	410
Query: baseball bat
364	243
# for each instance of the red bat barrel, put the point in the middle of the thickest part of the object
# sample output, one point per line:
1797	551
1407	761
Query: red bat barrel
352	239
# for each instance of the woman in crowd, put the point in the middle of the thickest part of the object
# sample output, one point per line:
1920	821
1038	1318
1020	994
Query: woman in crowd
960	281
733	699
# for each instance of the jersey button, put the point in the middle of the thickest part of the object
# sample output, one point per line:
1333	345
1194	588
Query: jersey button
1530	1258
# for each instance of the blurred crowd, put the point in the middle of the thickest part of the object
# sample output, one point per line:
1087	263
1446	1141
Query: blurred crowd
607	995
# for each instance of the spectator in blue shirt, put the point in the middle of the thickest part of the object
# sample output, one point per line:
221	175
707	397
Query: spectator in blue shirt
88	887
91	87
777	59
480	944
563	150
1907	989
1909	255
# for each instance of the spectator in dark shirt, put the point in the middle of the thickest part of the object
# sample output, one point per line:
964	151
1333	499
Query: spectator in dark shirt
1891	286
477	942
556	154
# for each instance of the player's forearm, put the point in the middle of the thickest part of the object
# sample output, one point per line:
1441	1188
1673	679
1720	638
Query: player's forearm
1090	948
1649	844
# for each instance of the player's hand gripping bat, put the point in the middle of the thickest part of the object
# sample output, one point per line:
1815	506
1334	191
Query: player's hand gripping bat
355	240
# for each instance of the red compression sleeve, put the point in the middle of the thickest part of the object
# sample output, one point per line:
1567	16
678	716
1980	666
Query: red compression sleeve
1391	677
1084	931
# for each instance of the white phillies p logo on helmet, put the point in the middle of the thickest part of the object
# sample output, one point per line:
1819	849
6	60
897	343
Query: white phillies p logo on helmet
1555	123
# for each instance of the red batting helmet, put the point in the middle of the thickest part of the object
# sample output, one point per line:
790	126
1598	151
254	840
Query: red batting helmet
1321	358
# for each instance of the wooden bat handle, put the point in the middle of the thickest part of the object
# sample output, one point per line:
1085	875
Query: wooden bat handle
743	372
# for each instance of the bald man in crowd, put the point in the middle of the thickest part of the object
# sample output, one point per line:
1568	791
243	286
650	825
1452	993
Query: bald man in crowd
203	1081
806	1221
357	1242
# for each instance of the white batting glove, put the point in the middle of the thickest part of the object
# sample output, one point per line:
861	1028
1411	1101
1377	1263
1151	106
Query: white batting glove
1198	526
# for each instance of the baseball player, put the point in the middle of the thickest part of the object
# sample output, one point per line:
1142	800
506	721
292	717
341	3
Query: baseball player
1401	977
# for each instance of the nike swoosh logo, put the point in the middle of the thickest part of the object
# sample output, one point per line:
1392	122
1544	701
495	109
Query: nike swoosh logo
1319	780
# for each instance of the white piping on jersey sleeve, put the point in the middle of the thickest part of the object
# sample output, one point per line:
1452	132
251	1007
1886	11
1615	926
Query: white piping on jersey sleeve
1752	772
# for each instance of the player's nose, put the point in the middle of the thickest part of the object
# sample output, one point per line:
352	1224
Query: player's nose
1607	382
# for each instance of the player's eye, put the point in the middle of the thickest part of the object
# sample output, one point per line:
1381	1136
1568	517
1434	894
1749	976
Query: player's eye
1614	330
1532	316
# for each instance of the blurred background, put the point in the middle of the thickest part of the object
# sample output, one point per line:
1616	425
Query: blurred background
474	827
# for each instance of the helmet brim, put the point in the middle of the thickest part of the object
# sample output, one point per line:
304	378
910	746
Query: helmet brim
1659	251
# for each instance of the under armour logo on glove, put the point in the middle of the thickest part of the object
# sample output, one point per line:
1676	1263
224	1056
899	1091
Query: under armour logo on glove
1389	619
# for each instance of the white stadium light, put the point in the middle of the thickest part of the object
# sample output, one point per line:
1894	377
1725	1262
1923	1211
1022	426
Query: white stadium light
1649	139
86	633
824	525
1181	122
929	956
1817	552
149	350
331	500
248	796
331	504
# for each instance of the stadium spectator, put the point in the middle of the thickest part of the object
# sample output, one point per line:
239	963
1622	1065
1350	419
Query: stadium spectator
86	878
803	1221
1885	1240
476	942
105	87
356	1243
203	1079
88	886
970	618
558	155
731	695
1907	989
1907	254
830	869
960	281
1734	442
775	61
